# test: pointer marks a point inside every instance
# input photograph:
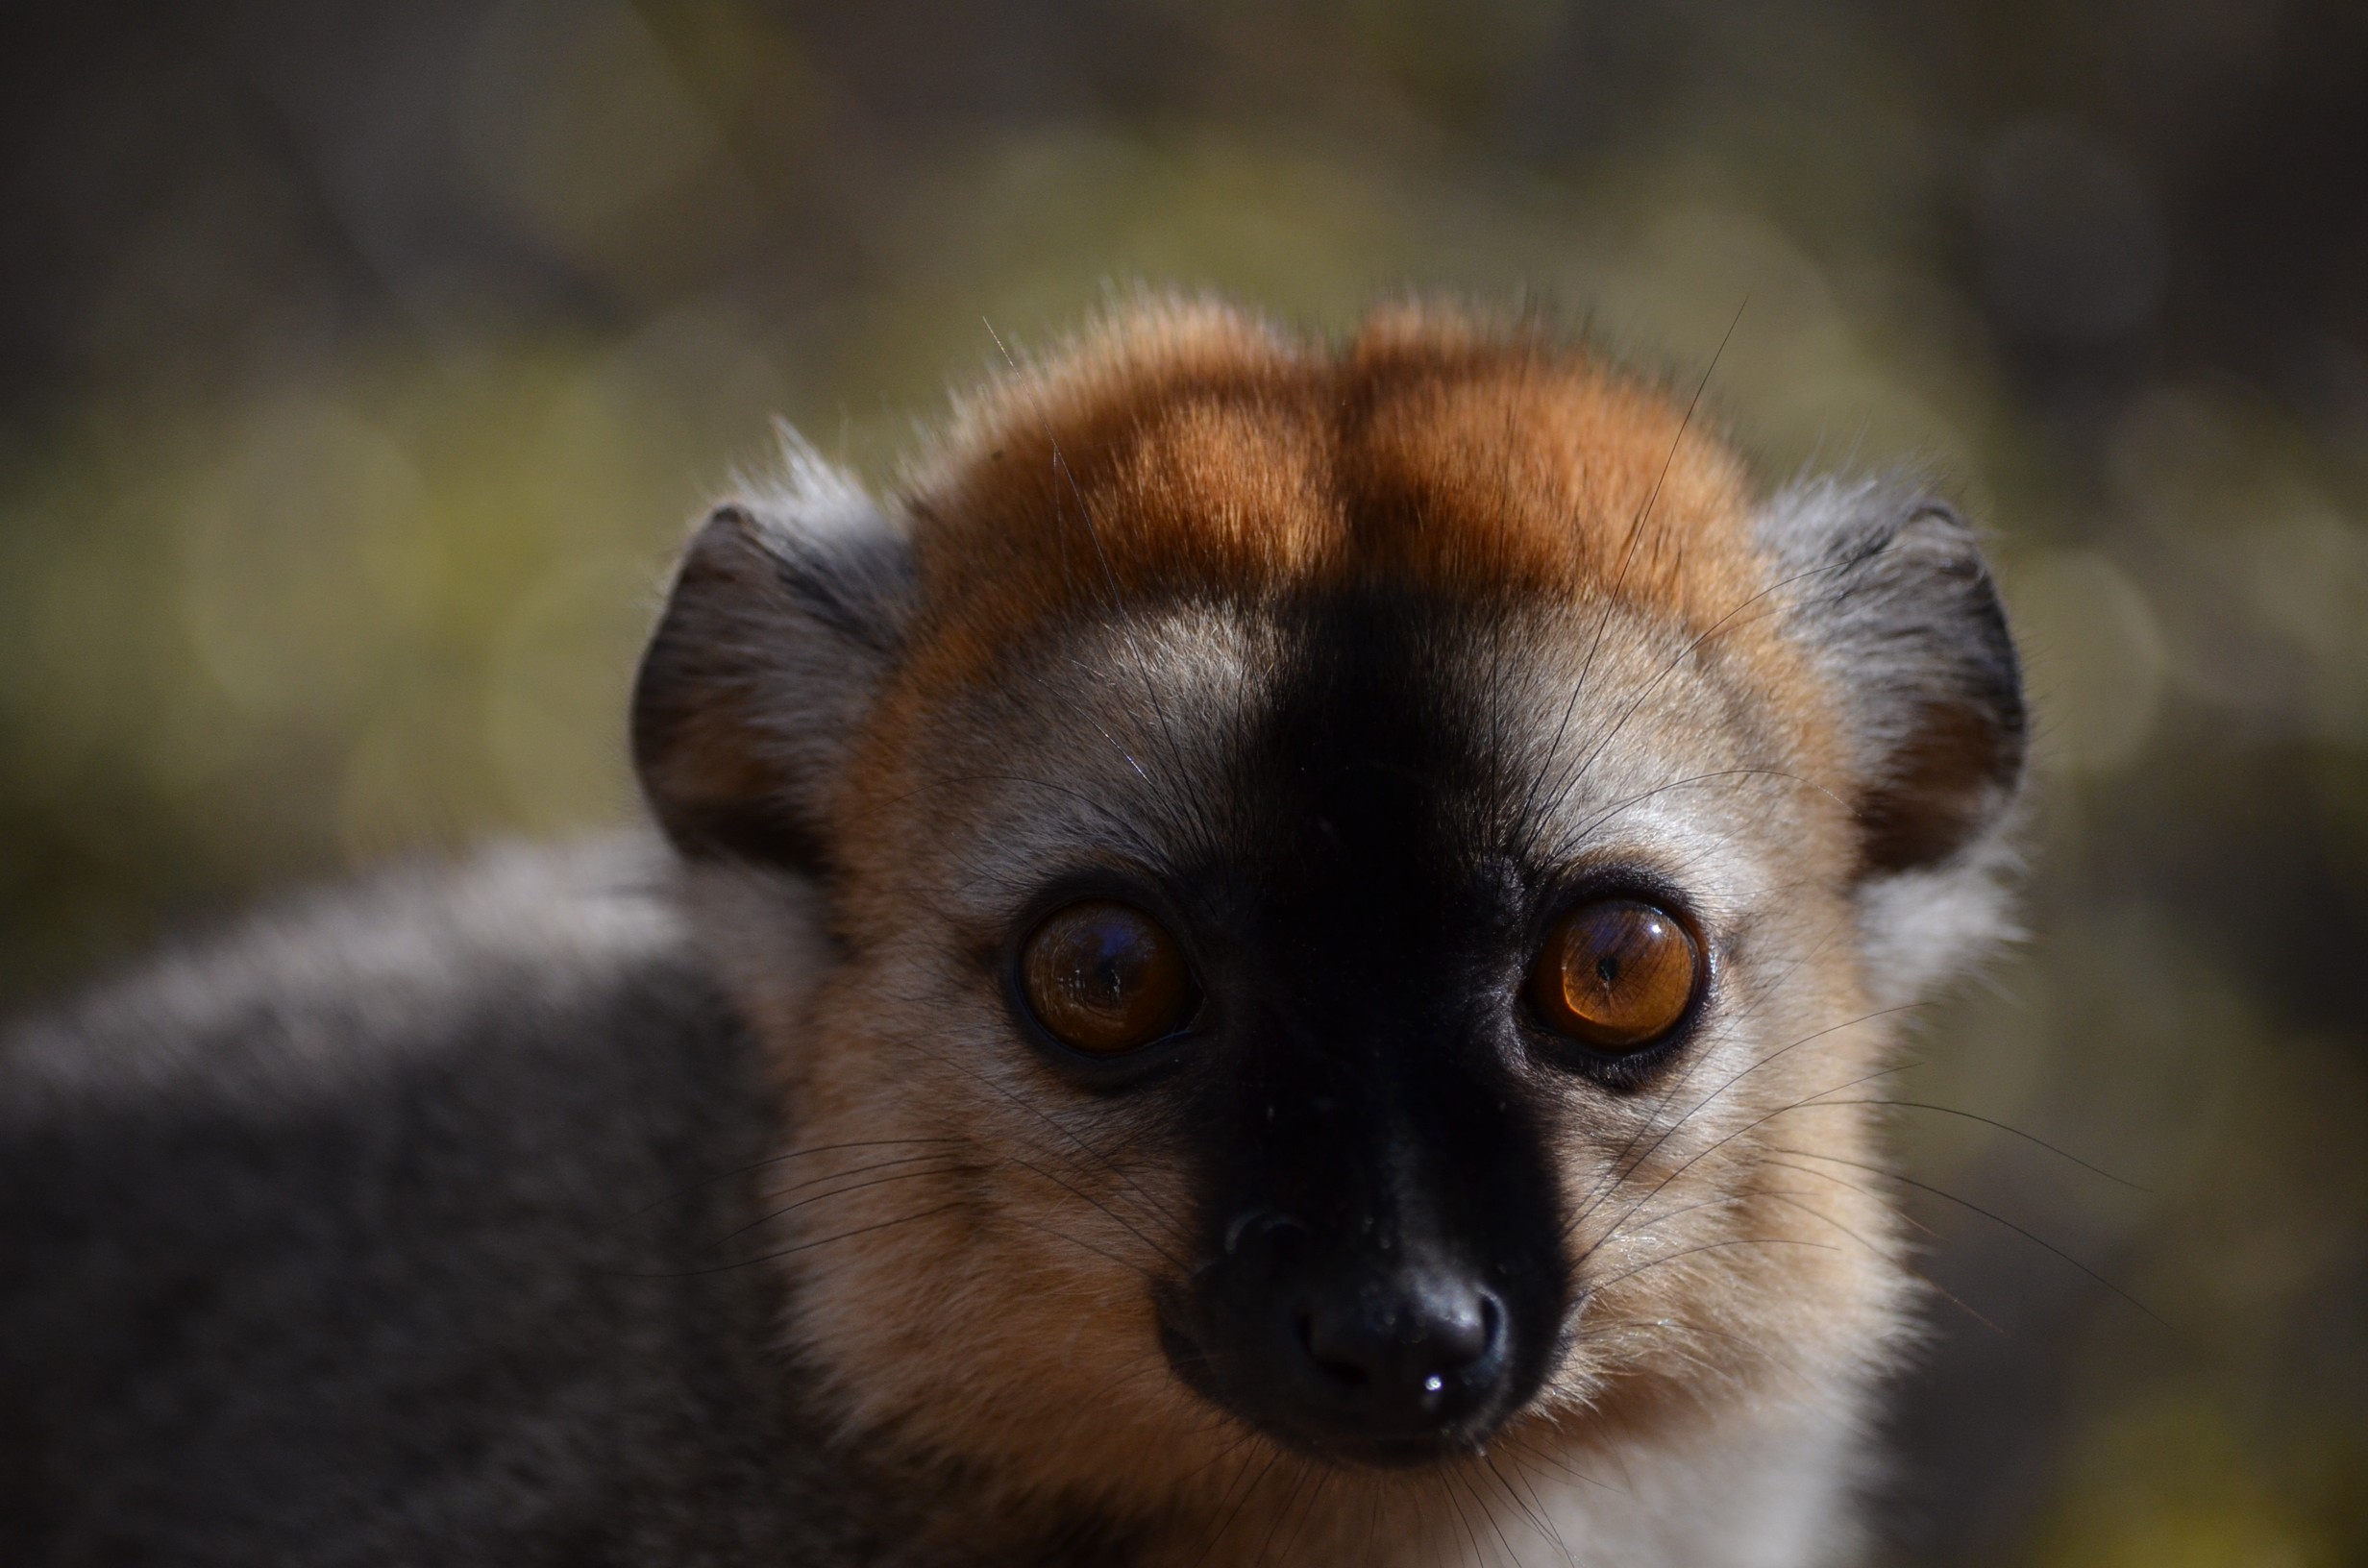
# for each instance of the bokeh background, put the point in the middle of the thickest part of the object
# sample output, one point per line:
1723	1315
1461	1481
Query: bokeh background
361	364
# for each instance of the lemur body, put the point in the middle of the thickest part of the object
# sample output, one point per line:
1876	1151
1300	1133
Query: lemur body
1288	959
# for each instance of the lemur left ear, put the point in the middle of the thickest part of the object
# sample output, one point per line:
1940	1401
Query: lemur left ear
784	617
1889	591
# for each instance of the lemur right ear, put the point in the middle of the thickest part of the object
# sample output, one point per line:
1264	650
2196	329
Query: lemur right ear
784	617
1890	594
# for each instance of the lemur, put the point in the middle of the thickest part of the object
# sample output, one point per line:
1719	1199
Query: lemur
1290	957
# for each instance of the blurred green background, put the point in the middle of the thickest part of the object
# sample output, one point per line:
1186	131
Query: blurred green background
361	365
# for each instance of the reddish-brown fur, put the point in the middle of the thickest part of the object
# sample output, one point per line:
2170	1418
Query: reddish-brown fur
1189	449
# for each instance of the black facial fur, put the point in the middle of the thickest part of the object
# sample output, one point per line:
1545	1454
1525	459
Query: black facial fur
1380	1275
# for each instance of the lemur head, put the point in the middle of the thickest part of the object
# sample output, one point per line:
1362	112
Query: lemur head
1365	892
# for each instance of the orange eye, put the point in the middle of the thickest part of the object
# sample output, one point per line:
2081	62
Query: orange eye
1616	975
1103	977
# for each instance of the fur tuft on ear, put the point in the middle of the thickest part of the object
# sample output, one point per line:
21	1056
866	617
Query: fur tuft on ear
784	616
1891	596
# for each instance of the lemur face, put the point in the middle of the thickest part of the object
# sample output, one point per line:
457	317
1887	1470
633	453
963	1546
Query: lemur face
1283	904
1367	891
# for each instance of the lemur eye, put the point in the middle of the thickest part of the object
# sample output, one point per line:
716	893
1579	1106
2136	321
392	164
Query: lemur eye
1103	977
1617	974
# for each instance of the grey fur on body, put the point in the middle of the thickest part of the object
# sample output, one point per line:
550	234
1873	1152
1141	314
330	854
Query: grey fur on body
398	1228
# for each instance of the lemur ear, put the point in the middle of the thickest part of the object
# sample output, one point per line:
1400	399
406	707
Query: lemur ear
784	617
1889	589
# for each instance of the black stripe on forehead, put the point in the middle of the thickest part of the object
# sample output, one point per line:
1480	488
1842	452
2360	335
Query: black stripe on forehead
1370	787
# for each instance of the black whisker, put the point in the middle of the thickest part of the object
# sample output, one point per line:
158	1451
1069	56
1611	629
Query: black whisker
1247	1492
680	1193
1619	579
2032	1236
1542	1455
2003	1127
1713	1246
1536	1519
842	1191
1488	1515
1105	1208
1307	1515
1695	1109
803	1247
1063	1128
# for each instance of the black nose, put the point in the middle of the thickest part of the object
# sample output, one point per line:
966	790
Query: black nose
1402	1356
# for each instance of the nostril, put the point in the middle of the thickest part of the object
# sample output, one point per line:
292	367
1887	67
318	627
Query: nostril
1333	1354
